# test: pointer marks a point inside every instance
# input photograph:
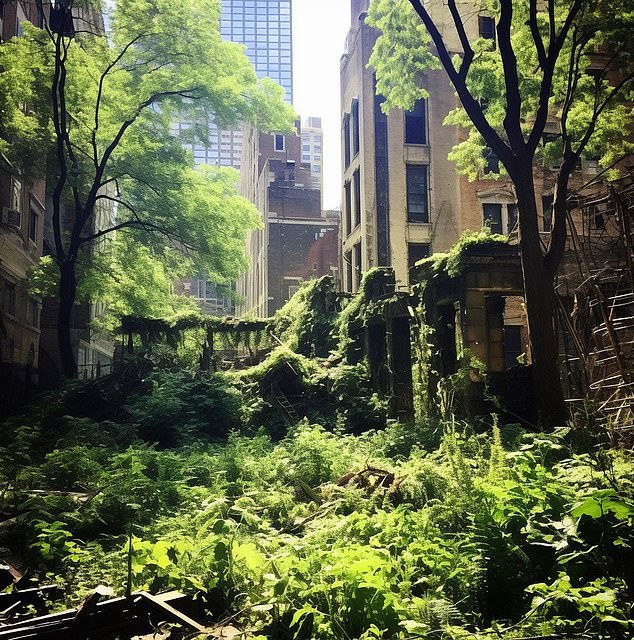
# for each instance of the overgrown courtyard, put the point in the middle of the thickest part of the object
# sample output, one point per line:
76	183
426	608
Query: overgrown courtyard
326	520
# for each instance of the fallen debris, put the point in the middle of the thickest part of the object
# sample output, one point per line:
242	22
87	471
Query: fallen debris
118	618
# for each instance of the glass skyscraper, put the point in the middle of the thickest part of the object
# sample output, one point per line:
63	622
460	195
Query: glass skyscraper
264	27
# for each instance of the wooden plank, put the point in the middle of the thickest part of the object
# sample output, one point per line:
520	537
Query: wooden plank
159	604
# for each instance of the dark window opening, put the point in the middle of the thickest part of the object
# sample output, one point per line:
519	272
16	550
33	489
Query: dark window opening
355	127
356	187
486	27
347	258
417	194
415	252
416	125
513	217
445	330
8	299
279	142
346	140
347	205
492	217
512	345
358	272
33	226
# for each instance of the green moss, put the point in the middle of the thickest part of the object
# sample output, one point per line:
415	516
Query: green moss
452	262
280	358
305	323
370	301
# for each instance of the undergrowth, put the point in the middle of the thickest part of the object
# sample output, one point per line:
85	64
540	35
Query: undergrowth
331	535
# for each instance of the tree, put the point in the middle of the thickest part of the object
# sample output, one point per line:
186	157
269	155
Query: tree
104	104
534	71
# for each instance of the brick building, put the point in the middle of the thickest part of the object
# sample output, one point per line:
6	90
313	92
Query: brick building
402	197
298	241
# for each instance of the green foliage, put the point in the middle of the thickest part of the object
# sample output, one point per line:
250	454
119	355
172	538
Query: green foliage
358	407
181	408
115	164
402	57
126	277
405	43
452	261
305	323
472	537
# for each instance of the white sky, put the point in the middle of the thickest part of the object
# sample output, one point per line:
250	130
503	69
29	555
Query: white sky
319	32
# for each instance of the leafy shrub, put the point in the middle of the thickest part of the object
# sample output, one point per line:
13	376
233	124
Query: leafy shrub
74	468
177	408
357	407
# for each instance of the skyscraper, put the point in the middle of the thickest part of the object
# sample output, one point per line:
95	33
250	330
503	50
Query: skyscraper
312	147
264	27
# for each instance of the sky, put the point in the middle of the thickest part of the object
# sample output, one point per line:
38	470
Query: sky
319	32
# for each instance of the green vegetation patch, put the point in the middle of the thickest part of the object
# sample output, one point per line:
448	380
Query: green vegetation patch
453	261
328	536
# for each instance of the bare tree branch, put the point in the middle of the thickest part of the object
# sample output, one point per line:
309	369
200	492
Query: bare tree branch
464	40
114	143
512	119
61	157
535	32
555	45
106	71
600	108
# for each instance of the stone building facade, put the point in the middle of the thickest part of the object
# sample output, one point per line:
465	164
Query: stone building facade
22	201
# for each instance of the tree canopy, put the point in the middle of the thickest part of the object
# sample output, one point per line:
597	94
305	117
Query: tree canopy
97	107
590	78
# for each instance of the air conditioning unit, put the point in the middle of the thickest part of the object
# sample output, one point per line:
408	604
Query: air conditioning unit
11	217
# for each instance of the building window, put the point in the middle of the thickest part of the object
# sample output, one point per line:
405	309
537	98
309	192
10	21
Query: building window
415	252
33	312
8	298
486	27
512	345
347	208
417	193
16	195
499	217
547	209
346	140
33	225
355	126
279	142
415	124
492	217
356	188
358	271
513	217
347	258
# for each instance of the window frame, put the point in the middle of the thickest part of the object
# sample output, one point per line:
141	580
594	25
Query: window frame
411	171
416	124
277	137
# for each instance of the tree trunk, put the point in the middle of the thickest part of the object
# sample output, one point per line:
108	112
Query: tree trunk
67	291
539	292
